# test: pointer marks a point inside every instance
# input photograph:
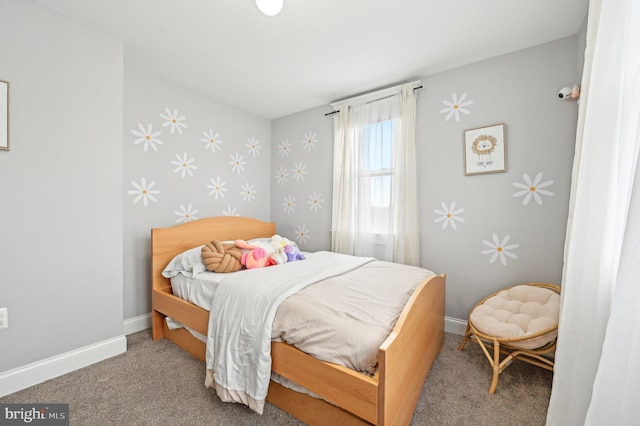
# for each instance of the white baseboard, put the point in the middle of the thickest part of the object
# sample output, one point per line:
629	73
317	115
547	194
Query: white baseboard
455	326
143	322
31	374
135	324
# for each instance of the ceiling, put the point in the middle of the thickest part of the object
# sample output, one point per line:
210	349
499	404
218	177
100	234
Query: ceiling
317	51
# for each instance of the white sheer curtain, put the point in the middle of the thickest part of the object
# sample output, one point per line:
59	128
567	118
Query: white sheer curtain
352	212
597	365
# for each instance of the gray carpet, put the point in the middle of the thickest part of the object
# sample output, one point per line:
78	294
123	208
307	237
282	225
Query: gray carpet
156	383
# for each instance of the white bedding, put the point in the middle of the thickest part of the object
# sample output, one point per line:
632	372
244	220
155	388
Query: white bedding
343	319
198	290
241	317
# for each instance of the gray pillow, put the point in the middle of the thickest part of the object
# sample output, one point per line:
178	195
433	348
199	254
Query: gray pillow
188	263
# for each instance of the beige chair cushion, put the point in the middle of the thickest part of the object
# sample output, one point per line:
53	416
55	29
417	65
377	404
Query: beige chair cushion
517	312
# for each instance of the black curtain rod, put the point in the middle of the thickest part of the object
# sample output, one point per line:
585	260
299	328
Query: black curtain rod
337	111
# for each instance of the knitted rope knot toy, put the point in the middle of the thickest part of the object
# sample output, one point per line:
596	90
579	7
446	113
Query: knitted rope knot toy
218	257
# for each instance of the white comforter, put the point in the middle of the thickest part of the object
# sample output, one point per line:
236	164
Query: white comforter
243	308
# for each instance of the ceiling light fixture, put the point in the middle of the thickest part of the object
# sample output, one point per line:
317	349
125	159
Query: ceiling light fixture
270	7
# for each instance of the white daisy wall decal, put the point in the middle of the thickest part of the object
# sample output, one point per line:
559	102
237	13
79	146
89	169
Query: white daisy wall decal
500	249
248	193
299	171
281	175
315	201
289	204
143	192
309	141
448	215
237	163
284	148
302	234
253	146
184	165
230	211
456	106
212	141
173	121
217	187
148	137
533	189
186	214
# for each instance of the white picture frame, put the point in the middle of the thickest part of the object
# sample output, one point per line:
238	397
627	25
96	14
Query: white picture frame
485	150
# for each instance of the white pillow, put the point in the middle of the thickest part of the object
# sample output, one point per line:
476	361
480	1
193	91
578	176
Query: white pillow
188	263
259	240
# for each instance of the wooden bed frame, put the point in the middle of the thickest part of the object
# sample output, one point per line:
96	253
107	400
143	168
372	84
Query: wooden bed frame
404	359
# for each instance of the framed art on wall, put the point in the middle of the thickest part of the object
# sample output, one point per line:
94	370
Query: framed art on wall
485	150
4	115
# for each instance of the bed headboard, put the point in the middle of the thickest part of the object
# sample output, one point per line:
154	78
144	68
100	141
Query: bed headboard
166	243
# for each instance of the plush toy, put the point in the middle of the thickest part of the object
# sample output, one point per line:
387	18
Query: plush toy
293	253
218	257
278	254
290	248
253	256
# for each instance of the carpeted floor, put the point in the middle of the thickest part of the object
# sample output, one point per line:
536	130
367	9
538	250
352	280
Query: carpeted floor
156	383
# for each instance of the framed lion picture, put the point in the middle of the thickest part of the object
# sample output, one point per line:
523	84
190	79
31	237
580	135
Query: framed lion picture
485	150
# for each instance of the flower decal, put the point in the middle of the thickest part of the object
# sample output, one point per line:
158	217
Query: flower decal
254	146
212	141
281	175
302	234
217	188
289	204
186	215
248	193
284	148
147	136
230	211
237	164
500	249
315	201
309	141
184	165
532	189
174	121
456	106
448	215
299	172
143	191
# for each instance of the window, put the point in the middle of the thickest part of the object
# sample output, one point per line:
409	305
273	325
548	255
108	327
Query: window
377	176
374	181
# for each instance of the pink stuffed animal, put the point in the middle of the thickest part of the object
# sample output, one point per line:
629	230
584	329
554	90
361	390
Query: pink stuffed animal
253	256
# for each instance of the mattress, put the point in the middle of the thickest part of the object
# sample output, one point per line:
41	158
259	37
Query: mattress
198	290
343	319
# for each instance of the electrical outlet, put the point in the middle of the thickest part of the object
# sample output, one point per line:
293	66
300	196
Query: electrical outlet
4	318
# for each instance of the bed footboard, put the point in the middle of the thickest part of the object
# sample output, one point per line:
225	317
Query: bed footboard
406	356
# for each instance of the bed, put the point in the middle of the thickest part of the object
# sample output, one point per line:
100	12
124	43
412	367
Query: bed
346	396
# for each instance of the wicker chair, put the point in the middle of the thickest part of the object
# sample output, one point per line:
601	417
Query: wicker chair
520	322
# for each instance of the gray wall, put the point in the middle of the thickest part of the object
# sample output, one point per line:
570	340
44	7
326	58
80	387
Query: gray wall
519	90
301	172
61	191
146	97
71	233
582	46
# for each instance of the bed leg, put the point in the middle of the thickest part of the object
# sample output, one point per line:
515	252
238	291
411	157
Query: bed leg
157	320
